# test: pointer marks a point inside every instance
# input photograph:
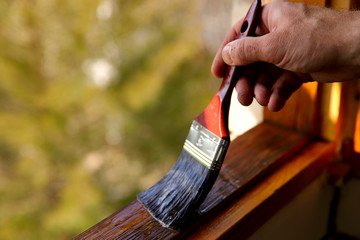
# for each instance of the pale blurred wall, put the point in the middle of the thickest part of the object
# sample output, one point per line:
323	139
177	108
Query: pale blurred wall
242	118
219	17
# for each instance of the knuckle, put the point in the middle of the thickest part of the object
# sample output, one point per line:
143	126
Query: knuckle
275	51
246	52
270	51
243	52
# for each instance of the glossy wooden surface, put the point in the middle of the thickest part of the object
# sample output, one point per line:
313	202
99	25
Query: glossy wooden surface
357	124
300	111
265	147
349	103
242	217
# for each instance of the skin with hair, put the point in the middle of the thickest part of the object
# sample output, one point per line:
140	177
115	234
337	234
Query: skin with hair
295	43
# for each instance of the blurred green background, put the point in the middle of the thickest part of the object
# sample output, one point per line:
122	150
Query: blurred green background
96	100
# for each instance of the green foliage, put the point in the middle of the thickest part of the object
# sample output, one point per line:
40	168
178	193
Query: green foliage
96	100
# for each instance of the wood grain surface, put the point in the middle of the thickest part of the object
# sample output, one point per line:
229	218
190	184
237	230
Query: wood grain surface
251	157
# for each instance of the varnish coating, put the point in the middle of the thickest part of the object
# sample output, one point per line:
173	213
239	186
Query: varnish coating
265	145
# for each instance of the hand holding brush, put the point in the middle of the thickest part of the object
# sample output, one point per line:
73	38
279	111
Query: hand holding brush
173	201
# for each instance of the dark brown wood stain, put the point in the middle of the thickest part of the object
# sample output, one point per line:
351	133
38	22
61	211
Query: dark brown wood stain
250	157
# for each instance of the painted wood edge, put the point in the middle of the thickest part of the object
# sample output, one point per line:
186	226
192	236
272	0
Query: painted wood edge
251	157
134	219
346	128
247	213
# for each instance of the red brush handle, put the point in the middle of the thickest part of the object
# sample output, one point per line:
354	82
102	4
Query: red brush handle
215	116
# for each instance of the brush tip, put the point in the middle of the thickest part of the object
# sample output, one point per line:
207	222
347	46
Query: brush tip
174	199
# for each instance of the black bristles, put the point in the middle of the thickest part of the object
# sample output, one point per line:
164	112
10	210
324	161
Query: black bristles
174	199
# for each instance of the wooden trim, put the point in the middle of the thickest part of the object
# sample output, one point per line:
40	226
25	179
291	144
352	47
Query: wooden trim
357	124
300	111
339	4
266	147
247	213
349	105
355	4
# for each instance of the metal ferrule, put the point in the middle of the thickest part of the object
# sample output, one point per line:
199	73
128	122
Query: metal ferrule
205	146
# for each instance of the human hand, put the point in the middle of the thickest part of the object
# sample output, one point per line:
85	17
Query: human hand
296	43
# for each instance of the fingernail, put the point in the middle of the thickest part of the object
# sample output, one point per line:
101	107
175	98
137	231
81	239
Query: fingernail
226	54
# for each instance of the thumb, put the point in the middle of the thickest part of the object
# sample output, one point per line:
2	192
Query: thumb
245	51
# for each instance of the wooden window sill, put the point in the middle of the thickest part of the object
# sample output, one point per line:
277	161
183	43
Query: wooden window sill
263	170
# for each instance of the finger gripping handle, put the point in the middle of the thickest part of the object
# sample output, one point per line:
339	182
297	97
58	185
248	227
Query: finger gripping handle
215	116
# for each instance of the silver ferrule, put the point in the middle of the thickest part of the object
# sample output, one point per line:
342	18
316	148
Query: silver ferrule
205	146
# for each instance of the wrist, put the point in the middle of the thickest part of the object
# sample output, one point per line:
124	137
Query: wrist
351	46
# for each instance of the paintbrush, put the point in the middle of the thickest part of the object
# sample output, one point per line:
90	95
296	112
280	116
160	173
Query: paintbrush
173	200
